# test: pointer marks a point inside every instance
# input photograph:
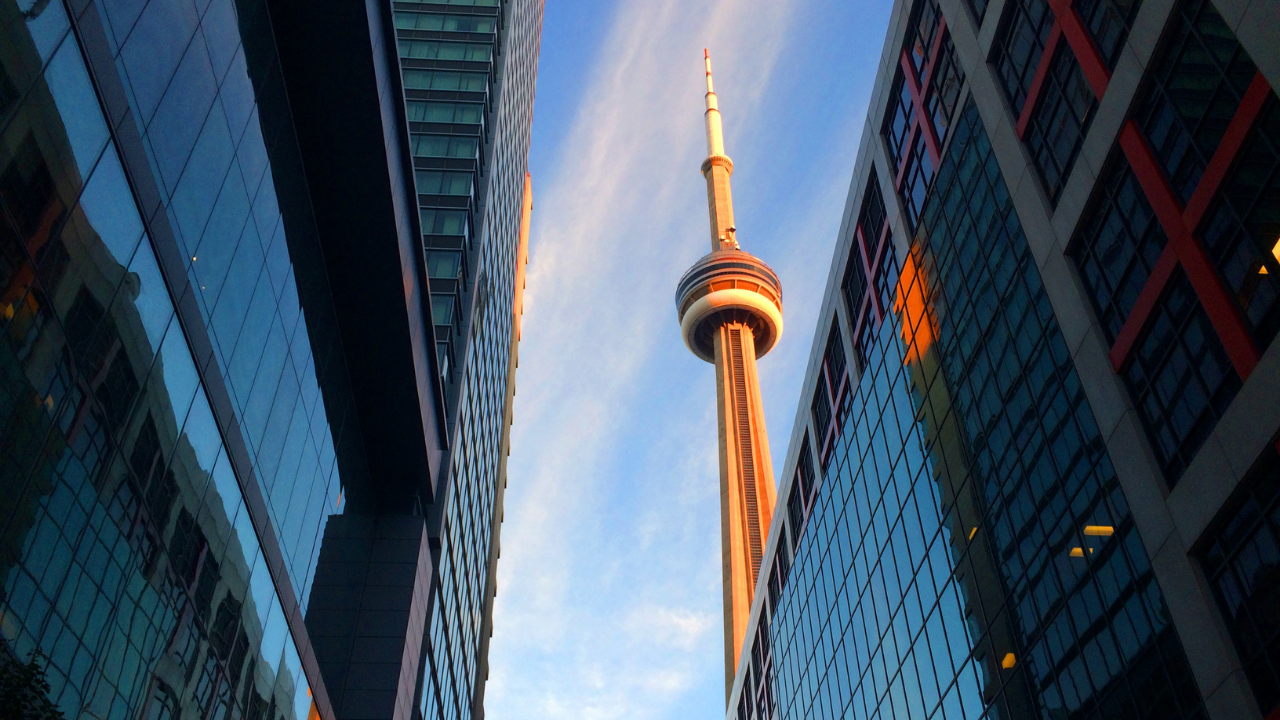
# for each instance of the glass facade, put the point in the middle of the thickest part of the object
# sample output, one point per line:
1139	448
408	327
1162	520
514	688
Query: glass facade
969	552
1024	35
1120	243
1211	300
1242	563
871	239
1180	377
470	208
1063	113
959	543
167	462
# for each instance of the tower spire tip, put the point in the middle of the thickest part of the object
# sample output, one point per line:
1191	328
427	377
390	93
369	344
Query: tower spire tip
706	56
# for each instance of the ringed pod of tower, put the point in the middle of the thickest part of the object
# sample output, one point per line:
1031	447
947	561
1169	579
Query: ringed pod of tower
729	285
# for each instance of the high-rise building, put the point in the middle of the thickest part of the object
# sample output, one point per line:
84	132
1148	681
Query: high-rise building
1034	471
730	309
259	301
469	70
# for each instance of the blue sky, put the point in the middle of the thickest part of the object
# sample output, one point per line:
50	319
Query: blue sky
608	600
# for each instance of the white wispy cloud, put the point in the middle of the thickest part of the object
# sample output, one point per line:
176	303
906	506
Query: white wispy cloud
609	599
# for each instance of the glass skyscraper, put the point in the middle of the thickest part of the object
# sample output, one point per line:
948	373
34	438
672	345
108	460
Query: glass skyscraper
256	365
1037	475
469	71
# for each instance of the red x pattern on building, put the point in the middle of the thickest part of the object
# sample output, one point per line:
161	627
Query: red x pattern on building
871	241
830	395
917	86
1179	223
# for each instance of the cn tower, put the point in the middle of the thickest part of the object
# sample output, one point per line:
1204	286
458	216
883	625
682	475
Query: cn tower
730	309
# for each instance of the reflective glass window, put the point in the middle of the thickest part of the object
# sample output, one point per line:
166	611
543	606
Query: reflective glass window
1192	92
1180	377
1242	562
1063	113
1117	245
445	80
970	552
1020	41
1242	229
1108	22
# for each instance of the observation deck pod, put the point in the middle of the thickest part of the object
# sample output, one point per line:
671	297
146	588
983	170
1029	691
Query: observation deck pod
728	286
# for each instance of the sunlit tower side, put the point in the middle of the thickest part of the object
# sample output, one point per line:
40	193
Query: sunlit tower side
730	309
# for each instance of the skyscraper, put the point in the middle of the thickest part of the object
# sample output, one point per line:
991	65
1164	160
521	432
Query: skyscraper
1034	470
251	423
730	309
469	71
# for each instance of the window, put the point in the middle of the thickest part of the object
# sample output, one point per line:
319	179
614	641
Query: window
833	358
854	284
432	182
1242	230
1062	116
1193	92
1019	45
803	490
1242	562
469	3
445	146
762	657
1181	378
445	112
872	216
445	80
866	338
925	25
442	309
444	356
443	222
979	9
871	222
897	123
781	568
162	705
829	393
1117	245
1108	22
435	50
872	228
944	90
919	177
1030	452
820	407
446	23
887	275
226	624
444	264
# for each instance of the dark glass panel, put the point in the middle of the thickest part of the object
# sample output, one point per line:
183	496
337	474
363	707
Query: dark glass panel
1180	377
1020	42
1117	245
1192	91
1242	563
1060	121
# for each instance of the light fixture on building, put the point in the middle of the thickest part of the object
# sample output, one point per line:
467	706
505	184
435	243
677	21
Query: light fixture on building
1275	251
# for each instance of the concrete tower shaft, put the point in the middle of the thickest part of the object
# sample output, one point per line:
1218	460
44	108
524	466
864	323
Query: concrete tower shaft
730	309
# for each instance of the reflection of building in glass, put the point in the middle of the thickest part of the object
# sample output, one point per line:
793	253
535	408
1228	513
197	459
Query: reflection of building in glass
127	558
1041	486
211	398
